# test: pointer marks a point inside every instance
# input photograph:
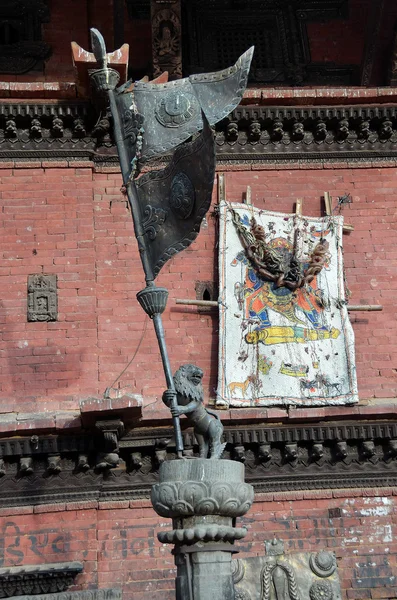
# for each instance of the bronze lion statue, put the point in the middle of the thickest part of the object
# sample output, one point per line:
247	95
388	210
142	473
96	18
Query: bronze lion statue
208	428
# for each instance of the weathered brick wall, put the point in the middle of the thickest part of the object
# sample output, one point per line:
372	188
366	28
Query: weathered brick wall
118	545
76	224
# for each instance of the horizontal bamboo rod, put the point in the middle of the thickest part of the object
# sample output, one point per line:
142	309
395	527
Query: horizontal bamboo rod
367	307
214	303
197	302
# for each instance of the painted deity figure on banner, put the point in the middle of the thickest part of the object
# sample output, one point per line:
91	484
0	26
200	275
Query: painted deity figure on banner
291	324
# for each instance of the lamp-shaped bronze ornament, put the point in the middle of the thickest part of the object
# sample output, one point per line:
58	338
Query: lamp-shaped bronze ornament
167	206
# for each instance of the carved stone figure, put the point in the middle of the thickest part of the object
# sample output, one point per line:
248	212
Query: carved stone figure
26	465
342	130
264	452
232	132
239	453
136	460
82	463
283	576
208	428
386	130
107	460
254	131
317	452
341	450
277	133
363	131
57	127
102	128
391	449
320	131
54	464
78	127
368	449
166	36
11	130
35	128
291	452
298	132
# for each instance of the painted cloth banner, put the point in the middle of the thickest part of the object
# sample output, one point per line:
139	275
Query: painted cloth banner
285	334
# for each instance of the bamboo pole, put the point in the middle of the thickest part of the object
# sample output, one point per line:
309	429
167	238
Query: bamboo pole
214	303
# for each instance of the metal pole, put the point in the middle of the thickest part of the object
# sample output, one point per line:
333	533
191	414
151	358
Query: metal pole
158	327
99	49
132	193
133	200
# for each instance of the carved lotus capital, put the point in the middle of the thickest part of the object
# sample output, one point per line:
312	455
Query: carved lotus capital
202	487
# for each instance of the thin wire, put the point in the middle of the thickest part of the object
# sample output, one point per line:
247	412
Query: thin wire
133	357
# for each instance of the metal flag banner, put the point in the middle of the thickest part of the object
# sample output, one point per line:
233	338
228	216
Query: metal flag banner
156	118
167	206
174	201
285	334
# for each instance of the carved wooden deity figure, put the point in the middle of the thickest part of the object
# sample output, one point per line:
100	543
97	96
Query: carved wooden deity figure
208	428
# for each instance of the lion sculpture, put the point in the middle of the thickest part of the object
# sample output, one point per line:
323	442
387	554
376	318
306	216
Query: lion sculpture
208	428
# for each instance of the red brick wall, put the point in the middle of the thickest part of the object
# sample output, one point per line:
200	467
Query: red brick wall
76	224
119	547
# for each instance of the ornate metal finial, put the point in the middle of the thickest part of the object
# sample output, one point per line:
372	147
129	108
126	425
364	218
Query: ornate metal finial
103	79
99	48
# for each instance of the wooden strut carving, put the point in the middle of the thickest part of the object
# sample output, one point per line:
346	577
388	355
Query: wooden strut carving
273	264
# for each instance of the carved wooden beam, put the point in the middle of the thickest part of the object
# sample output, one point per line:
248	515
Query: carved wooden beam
371	40
166	37
393	61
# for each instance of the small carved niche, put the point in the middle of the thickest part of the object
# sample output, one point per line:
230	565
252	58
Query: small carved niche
42	298
206	290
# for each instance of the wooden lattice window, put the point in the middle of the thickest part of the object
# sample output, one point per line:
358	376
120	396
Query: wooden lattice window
21	46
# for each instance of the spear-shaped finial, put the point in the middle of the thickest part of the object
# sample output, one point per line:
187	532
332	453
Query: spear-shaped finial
99	48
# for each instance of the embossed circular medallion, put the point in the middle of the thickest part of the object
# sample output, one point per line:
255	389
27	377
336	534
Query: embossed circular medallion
321	590
323	563
182	196
176	109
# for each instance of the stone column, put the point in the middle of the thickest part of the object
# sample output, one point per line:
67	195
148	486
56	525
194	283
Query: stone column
203	497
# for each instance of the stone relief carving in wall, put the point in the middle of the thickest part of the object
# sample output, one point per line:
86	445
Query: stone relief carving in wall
42	298
277	576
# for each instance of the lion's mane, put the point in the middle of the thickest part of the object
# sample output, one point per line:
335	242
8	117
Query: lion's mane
184	385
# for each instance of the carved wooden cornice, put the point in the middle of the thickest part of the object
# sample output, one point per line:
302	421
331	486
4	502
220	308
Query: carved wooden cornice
38	579
63	468
102	594
251	134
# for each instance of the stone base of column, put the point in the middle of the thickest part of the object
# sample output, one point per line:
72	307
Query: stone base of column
203	497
